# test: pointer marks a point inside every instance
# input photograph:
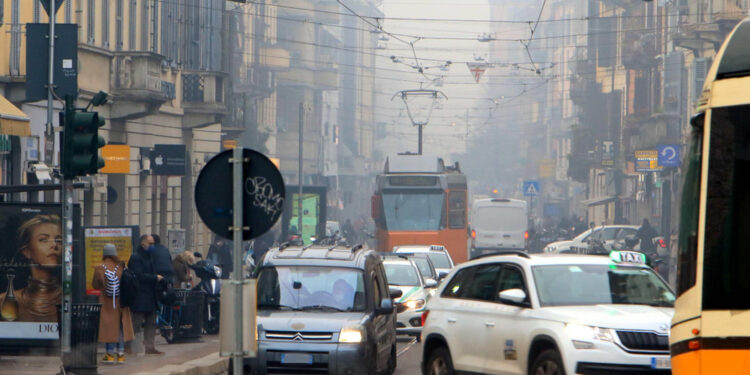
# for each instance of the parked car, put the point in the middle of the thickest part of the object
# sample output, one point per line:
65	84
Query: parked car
438	255
402	273
607	234
426	268
517	313
324	309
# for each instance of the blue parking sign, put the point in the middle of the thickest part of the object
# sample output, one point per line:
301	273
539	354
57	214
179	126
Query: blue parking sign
669	155
531	188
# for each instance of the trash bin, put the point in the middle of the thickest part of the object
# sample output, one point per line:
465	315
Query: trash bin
187	312
84	335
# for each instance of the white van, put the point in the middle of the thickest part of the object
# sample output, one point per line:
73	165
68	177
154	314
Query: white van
498	224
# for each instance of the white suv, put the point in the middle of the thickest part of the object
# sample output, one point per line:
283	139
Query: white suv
517	313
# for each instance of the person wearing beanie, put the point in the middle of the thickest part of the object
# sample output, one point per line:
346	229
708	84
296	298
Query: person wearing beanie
115	322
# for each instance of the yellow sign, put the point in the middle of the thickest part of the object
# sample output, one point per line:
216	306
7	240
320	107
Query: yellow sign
229	144
647	161
647	155
547	168
94	241
116	159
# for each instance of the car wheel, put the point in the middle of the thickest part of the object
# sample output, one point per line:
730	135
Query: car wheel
440	363
548	363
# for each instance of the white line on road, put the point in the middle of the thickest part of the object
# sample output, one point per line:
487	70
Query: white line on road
407	347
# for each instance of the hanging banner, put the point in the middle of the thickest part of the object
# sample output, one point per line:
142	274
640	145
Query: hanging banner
94	239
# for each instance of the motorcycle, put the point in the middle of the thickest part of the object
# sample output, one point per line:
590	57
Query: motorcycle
209	273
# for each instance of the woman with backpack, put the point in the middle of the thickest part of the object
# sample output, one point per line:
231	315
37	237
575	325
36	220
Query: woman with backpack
115	323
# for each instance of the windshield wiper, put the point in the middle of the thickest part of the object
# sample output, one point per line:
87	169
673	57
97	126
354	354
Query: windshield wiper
321	307
278	306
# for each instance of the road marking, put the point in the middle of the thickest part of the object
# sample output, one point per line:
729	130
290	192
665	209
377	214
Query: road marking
407	347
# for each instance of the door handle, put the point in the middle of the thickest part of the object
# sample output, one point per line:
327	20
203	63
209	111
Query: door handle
451	320
489	324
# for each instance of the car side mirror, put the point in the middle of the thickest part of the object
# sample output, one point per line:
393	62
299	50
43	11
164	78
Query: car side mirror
516	297
385	308
442	274
430	283
395	292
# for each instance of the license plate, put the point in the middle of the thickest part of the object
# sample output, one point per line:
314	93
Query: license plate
296	358
660	363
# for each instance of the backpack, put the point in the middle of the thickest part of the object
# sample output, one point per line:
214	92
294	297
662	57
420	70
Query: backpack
128	287
111	282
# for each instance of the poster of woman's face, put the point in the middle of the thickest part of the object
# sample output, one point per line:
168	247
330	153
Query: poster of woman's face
30	263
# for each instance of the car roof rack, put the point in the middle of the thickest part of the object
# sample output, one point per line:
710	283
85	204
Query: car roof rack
356	247
519	253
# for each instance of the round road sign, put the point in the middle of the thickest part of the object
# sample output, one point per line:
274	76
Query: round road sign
263	194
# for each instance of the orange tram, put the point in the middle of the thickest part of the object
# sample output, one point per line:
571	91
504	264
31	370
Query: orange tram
711	325
421	201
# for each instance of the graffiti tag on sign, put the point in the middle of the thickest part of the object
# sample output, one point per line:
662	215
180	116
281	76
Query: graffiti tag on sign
263	195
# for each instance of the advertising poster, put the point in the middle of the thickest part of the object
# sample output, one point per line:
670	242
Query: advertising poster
30	277
94	239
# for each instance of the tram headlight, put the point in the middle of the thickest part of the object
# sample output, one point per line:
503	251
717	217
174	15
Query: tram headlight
582	335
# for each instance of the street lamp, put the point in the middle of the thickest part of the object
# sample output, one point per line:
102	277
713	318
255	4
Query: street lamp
419	106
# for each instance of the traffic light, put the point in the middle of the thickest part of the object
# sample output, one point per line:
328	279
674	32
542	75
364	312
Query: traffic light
81	143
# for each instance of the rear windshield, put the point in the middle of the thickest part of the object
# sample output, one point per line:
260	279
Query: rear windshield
439	259
401	274
499	218
424	266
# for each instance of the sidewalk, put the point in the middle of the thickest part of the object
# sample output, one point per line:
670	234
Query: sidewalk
197	357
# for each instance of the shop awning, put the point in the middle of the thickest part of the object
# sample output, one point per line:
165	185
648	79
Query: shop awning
12	120
599	201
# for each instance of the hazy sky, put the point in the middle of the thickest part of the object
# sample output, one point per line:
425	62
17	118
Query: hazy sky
447	128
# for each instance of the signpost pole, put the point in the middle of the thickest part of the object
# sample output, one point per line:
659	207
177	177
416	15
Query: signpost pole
299	171
67	272
49	134
237	227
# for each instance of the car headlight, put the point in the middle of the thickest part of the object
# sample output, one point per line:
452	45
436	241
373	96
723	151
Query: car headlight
582	335
414	304
352	335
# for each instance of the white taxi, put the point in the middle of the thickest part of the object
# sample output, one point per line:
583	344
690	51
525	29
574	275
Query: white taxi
402	273
517	313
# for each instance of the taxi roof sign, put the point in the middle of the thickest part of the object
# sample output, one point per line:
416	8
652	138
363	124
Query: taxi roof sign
632	257
437	247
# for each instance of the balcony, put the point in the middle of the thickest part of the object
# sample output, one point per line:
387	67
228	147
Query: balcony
141	84
138	77
639	50
255	82
203	97
203	92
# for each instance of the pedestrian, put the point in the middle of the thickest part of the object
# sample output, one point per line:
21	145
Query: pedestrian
115	322
162	259
646	234
220	252
144	306
183	274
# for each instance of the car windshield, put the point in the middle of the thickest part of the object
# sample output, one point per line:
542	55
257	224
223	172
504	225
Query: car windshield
439	259
311	288
401	274
424	266
586	284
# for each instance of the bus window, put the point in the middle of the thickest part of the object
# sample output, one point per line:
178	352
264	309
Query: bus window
726	250
457	210
688	240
